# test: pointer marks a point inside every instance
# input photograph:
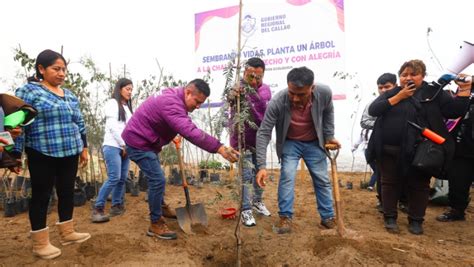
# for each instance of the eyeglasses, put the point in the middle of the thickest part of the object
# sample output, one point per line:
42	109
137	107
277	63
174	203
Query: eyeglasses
257	77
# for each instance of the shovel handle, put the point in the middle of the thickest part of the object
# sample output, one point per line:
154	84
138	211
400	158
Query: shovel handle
180	162
335	187
332	151
177	143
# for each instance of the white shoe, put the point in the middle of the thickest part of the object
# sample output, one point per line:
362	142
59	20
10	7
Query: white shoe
260	208
248	219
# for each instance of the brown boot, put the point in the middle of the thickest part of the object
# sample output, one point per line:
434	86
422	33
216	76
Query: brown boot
161	230
68	235
41	246
168	212
283	226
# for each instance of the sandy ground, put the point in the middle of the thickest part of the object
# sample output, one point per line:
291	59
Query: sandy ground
123	242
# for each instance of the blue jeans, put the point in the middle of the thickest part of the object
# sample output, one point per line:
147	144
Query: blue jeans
149	164
315	159
117	173
375	175
248	180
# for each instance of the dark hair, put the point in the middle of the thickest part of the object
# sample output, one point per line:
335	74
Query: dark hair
45	59
387	78
201	85
417	65
300	77
255	62
121	83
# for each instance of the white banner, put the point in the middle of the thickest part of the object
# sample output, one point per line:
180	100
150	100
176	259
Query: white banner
285	34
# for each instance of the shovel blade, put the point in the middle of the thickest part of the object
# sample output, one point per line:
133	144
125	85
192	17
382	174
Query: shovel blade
191	215
184	220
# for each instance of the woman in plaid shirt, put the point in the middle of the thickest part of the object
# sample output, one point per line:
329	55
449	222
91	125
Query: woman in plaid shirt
54	143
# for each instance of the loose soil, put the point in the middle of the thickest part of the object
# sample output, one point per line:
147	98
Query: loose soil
123	242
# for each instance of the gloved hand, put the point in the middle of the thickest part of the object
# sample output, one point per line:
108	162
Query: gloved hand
446	78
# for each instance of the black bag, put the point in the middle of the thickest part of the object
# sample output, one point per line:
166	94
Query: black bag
429	158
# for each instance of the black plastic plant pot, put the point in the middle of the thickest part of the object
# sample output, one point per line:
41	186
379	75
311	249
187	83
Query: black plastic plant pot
9	207
18	205
25	204
79	197
142	182
215	177
19	182
128	186
21	204
364	184
90	191
134	189
202	175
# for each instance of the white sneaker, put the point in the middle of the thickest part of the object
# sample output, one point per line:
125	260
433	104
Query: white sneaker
247	218
260	208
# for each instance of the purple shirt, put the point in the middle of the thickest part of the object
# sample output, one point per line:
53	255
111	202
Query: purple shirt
258	104
159	119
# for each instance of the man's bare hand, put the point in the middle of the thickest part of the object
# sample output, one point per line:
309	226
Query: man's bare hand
334	142
229	153
261	176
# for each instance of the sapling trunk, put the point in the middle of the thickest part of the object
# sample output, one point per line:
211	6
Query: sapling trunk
239	132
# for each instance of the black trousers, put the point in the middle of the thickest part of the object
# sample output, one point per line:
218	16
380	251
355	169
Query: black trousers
460	177
415	184
46	172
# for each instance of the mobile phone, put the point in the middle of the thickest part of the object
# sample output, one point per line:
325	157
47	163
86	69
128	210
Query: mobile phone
7	136
411	85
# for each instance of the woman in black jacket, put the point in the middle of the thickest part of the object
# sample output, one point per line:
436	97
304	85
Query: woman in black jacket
393	140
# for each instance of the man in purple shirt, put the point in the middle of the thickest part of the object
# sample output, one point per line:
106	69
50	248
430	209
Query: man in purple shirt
153	125
257	95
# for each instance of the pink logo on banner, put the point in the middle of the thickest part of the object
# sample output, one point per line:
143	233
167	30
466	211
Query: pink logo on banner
201	18
298	2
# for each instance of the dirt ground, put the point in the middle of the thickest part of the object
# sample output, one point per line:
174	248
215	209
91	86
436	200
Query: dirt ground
123	242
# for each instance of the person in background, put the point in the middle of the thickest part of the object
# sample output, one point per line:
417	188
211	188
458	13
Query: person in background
257	98
385	82
118	110
153	125
393	140
461	173
303	117
55	143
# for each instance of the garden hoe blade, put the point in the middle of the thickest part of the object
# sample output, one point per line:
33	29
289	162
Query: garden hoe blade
191	214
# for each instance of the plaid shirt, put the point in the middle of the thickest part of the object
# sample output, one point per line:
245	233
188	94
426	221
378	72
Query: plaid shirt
57	129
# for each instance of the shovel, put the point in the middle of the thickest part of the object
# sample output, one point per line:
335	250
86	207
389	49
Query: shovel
191	214
332	151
